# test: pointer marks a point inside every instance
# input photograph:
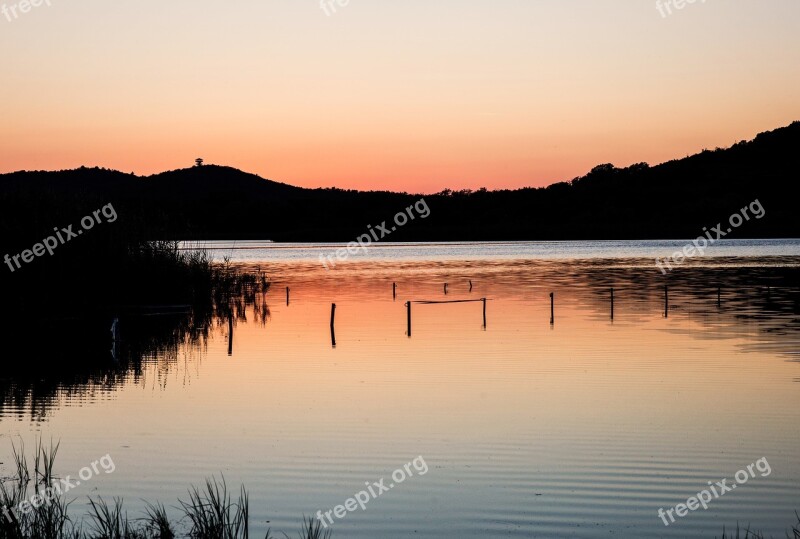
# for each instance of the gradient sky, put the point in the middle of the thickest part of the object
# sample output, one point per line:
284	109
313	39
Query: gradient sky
413	95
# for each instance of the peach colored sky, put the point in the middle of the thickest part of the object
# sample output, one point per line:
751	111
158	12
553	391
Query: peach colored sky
413	95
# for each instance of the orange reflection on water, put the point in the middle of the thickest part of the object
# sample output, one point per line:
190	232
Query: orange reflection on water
587	420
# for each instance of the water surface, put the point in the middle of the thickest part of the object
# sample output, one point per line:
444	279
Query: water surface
580	428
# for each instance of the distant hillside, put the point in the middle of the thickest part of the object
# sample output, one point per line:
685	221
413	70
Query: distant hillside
674	199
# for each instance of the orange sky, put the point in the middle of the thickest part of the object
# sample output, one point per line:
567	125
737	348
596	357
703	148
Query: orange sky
416	95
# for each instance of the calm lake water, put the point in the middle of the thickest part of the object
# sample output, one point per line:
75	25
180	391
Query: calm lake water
580	428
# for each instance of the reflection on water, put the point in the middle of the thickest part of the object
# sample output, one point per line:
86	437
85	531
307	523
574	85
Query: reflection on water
582	428
60	361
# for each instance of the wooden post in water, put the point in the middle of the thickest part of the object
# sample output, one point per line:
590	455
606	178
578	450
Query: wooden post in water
666	301
394	290
470	285
612	303
333	319
552	308
408	307
445	289
287	296
230	334
719	297
484	312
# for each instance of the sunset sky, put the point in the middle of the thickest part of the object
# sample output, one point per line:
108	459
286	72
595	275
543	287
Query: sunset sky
411	95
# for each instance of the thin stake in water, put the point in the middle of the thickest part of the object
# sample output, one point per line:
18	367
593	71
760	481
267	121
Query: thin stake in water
408	307
612	304
333	320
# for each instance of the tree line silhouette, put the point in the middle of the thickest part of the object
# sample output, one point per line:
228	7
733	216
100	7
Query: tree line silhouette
671	200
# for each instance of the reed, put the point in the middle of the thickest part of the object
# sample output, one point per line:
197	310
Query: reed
157	522
210	512
214	515
105	278
747	533
312	529
47	520
111	521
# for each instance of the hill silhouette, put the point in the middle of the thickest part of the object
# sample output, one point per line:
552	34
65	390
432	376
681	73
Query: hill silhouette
671	200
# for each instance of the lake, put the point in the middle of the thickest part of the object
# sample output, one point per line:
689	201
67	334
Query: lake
584	425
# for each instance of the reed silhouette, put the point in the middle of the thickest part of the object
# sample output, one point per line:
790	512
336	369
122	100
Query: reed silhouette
210	512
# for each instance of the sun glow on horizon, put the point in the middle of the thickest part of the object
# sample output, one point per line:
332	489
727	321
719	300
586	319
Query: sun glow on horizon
413	96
